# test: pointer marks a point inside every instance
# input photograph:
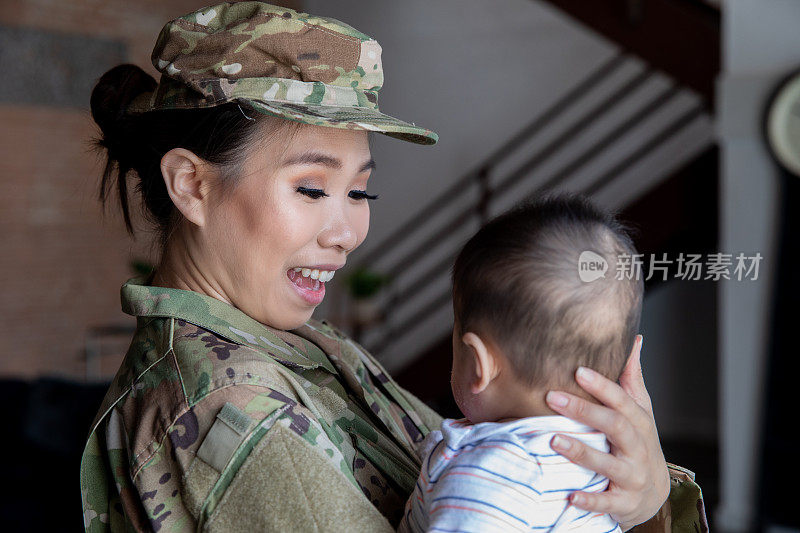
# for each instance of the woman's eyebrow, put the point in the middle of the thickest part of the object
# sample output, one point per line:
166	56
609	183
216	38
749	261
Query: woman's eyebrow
369	165
313	158
318	158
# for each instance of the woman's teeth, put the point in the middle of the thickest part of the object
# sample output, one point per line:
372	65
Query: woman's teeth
321	275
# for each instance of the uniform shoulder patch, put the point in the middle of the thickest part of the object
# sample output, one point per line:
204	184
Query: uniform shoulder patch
226	434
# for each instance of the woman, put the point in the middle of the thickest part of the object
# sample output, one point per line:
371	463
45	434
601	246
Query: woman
232	409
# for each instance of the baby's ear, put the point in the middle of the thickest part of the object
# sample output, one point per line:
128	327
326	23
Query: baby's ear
483	360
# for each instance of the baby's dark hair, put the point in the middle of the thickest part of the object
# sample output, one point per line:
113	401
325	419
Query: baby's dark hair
516	283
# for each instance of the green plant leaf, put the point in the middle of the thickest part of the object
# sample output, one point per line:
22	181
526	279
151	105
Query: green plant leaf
364	283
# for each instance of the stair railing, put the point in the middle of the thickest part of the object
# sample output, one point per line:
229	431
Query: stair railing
490	190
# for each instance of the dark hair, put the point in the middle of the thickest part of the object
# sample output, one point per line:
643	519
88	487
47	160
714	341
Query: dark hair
137	142
516	283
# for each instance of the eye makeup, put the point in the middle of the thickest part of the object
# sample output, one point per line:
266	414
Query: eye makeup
311	193
319	193
362	195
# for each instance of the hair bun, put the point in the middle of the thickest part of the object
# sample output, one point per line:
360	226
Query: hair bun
115	90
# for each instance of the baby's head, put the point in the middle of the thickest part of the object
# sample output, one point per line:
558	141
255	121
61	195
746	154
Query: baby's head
524	320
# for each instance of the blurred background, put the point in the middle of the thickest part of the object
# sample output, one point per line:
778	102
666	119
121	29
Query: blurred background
655	108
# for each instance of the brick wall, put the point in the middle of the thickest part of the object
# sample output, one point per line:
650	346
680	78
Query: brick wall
61	261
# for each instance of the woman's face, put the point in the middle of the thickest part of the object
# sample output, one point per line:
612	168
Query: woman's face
295	213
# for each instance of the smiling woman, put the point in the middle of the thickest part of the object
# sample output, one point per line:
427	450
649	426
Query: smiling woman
233	410
291	214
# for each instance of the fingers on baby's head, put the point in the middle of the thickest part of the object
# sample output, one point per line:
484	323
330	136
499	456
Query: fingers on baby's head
541	282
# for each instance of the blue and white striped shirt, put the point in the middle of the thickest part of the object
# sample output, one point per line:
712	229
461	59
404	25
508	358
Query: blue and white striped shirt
501	477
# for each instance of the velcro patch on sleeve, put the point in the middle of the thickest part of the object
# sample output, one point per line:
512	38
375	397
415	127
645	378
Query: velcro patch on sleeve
226	434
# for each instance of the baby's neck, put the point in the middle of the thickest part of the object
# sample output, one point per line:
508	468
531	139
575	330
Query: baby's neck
531	402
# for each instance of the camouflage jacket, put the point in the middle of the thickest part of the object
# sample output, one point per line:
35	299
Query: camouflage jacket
217	422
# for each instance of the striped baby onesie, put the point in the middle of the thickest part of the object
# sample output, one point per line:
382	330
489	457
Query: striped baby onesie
504	477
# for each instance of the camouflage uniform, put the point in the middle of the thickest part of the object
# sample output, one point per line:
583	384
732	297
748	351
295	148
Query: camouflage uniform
218	422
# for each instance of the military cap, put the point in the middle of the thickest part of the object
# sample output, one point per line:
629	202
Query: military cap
280	62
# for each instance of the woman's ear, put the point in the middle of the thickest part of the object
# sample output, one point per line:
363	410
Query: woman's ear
484	362
187	179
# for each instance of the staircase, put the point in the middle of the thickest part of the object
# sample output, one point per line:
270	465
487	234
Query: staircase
634	122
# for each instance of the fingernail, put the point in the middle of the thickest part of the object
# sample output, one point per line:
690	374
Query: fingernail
586	374
576	499
561	443
556	399
641	341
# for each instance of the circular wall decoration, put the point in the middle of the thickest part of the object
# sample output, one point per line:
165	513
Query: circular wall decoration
782	124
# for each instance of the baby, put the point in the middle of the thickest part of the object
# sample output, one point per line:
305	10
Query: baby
524	322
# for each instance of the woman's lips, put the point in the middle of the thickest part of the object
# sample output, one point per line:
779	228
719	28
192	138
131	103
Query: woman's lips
312	291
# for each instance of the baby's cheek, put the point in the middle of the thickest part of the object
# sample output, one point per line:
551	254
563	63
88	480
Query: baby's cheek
454	387
470	409
458	394
463	400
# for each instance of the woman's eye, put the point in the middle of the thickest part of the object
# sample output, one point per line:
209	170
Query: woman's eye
362	195
311	193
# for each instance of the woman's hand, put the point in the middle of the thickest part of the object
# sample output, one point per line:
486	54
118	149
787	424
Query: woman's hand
635	467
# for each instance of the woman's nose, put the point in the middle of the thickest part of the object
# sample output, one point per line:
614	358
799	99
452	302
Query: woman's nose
339	233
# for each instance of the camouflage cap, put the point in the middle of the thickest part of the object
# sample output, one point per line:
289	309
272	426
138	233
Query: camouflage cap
280	62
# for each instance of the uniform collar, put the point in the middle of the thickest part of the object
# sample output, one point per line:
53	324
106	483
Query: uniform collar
140	299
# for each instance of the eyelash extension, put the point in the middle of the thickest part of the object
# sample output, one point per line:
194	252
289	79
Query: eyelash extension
362	195
312	193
